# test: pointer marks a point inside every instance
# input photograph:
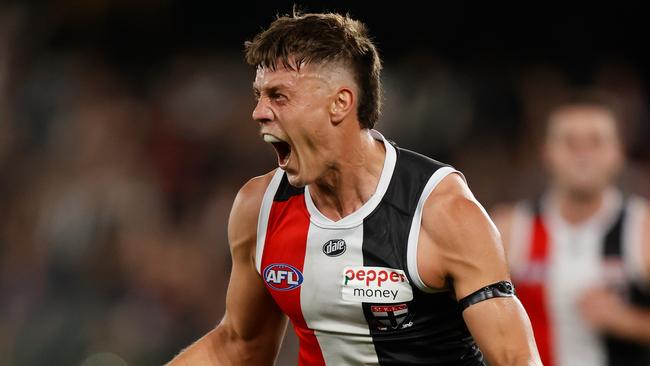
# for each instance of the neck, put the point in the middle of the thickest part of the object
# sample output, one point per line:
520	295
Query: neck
352	179
576	208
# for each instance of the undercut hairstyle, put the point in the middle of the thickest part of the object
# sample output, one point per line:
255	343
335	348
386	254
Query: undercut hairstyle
297	39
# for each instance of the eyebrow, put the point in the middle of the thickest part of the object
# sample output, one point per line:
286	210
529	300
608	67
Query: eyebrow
271	89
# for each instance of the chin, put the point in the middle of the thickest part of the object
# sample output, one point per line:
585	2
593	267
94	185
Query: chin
295	179
300	176
584	192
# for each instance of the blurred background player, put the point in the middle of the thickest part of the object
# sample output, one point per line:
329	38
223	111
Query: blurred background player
580	254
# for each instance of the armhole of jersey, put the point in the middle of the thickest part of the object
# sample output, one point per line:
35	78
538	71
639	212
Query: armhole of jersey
633	256
414	233
263	219
519	237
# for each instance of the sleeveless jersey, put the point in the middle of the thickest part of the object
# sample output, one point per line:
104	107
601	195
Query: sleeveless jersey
351	287
553	262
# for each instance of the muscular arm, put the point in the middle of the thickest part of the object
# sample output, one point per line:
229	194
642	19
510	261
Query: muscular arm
459	242
253	326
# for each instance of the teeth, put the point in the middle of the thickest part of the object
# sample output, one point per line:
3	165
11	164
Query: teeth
271	138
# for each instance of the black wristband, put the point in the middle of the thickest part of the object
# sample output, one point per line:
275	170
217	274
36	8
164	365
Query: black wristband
499	289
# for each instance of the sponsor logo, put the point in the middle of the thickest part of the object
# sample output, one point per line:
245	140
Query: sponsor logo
393	316
282	277
376	285
334	248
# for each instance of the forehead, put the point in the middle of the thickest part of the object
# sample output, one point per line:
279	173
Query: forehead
265	76
307	74
582	120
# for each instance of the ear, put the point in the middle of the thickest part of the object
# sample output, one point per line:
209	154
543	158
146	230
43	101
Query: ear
342	105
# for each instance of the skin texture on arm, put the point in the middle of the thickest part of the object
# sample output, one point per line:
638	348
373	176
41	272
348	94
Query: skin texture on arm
459	242
253	326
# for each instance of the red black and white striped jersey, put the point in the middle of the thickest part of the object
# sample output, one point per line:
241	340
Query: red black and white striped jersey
351	287
554	262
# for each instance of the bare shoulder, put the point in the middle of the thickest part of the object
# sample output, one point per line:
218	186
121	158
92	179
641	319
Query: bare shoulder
460	240
451	208
249	197
242	225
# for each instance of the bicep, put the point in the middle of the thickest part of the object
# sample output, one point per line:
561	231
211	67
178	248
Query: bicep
466	245
480	260
462	241
253	327
252	317
250	309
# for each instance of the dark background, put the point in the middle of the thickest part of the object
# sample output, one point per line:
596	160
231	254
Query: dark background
125	132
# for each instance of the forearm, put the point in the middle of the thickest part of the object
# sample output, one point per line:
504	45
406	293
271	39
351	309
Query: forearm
201	353
513	359
633	325
502	331
221	346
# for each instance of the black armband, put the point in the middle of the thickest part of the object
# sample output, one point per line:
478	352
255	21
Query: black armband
499	289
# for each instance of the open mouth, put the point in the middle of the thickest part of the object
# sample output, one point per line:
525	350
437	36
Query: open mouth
282	148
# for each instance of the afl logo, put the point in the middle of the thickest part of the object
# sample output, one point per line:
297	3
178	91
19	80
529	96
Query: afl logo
334	248
282	277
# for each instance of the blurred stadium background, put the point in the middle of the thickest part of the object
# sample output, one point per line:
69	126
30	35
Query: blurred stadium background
125	132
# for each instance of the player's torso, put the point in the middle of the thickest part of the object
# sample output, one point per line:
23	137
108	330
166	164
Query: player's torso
346	285
553	263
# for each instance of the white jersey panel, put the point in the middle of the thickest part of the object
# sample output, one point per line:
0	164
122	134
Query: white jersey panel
263	218
576	265
339	325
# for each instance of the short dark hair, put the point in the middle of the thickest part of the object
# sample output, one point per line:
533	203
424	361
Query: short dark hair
589	97
322	38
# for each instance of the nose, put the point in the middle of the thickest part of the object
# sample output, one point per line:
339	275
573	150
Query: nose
262	113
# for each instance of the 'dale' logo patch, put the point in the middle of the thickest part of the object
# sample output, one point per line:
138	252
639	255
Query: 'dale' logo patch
334	248
375	284
282	277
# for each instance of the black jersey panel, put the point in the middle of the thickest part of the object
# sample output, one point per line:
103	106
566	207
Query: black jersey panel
622	352
428	330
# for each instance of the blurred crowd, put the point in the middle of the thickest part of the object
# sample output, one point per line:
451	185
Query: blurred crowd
115	188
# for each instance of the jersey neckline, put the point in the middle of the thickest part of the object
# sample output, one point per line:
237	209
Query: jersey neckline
357	217
602	218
